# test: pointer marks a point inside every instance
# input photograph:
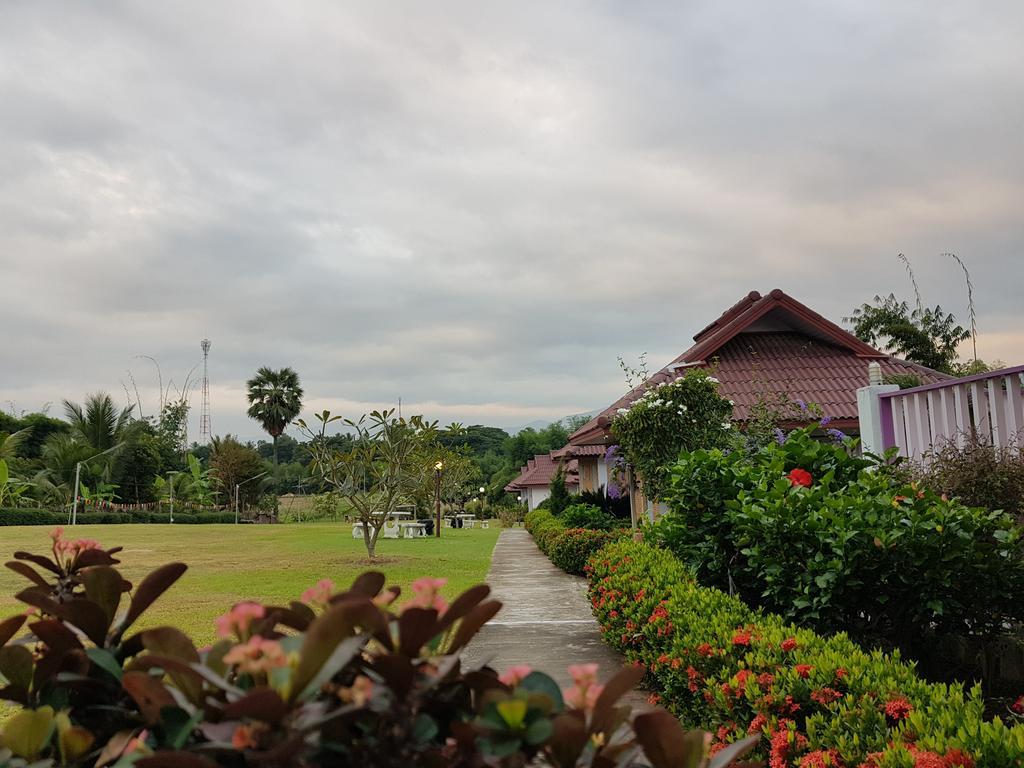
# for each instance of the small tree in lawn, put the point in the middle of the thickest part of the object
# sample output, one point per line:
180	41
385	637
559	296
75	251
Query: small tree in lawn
381	469
559	499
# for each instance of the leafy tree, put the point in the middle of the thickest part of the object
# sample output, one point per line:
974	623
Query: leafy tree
288	449
275	399
231	462
382	470
560	499
138	464
924	335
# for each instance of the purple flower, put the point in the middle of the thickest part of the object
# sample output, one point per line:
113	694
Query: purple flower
613	490
825	421
612	453
837	435
802	406
780	436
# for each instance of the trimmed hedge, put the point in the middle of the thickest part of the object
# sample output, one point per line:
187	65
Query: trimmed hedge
817	700
19	516
568	548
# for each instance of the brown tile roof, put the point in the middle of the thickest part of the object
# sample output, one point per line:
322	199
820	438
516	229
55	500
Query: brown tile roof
773	345
540	469
577	451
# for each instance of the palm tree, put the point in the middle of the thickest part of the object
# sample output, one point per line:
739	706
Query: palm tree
275	399
98	424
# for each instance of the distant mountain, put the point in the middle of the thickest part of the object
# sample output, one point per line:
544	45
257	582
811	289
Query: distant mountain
541	423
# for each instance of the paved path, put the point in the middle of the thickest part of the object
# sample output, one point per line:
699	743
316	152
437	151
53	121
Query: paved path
545	620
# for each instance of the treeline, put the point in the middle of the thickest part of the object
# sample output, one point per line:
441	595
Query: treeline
129	460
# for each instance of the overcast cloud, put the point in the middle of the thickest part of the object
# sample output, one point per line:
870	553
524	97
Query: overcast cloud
477	206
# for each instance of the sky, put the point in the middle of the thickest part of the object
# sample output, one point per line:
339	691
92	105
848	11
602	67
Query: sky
477	207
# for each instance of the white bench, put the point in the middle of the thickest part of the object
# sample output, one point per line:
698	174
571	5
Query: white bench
413	530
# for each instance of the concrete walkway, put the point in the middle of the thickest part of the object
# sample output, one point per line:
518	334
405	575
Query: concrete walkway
545	620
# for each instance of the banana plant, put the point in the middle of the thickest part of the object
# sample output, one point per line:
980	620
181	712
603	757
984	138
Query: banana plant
11	490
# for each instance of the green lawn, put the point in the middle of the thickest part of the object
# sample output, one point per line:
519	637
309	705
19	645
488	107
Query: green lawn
272	563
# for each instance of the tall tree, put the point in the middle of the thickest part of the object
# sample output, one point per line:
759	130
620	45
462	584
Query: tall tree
924	335
275	399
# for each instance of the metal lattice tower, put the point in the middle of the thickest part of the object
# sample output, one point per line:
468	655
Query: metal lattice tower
204	414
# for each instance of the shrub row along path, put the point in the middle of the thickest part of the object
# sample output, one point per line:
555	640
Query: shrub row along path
545	620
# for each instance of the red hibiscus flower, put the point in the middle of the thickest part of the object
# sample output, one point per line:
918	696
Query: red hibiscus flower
800	477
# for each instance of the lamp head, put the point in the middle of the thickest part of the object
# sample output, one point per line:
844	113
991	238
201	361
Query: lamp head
439	466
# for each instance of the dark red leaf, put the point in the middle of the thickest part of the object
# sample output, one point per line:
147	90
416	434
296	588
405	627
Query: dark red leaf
664	741
28	572
9	628
91	557
258	704
42	562
149	693
463	604
416	626
397	671
605	712
154	585
568	740
176	759
472	623
172	643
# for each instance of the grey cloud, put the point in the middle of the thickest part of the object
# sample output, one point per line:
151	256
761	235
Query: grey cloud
479	206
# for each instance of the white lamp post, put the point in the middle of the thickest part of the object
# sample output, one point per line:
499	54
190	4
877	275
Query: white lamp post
78	476
239	485
170	488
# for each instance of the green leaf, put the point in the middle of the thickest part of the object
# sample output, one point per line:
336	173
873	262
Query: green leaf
16	665
105	660
538	682
539	731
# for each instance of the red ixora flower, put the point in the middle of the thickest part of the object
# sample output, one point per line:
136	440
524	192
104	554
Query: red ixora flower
800	477
789	644
1018	706
898	708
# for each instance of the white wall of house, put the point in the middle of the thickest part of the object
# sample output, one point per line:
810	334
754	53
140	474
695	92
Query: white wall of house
535	495
602	475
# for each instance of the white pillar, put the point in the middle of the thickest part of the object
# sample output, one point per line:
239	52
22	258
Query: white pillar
869	411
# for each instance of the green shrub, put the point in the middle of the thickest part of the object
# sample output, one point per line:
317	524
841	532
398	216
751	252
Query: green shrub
27	516
842	547
568	548
587	516
732	669
19	516
560	497
978	474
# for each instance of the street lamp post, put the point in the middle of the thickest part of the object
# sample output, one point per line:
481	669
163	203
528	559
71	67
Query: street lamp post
170	486
239	485
438	468
78	477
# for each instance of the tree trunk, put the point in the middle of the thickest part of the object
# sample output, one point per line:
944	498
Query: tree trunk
275	450
370	540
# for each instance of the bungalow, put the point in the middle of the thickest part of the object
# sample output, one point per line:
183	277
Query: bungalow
533	483
762	347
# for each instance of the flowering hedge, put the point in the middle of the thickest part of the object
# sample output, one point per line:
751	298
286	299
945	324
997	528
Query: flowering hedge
808	531
814	700
568	548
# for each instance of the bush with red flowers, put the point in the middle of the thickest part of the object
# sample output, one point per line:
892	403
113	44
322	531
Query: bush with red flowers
833	546
813	700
